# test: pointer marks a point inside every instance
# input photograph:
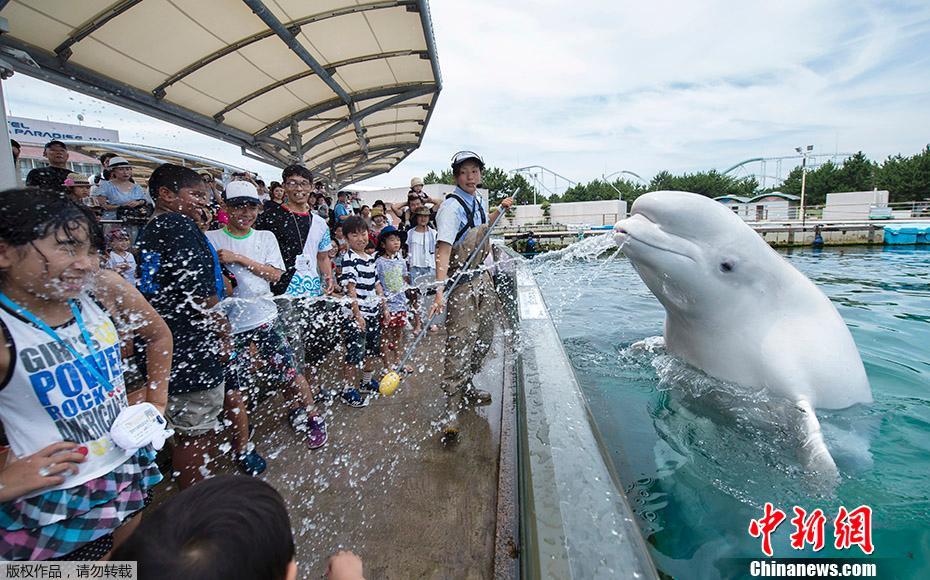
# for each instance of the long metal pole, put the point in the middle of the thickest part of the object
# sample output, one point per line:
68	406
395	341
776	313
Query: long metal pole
803	183
455	282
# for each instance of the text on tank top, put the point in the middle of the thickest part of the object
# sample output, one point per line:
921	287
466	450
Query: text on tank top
50	396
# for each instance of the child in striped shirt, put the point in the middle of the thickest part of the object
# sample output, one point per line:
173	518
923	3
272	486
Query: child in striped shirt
362	323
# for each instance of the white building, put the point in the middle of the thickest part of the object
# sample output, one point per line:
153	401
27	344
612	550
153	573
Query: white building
576	213
853	205
765	207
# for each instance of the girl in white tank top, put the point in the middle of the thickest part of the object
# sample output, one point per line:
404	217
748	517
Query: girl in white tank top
65	486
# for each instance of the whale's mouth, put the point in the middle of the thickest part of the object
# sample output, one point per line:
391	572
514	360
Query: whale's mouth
624	236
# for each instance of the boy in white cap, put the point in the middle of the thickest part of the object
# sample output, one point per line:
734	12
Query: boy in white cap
254	257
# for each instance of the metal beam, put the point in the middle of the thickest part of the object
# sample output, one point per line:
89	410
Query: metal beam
369	110
429	115
373	125
330	150
78	78
139	150
300	22
427	22
63	50
271	160
412	90
393	146
309	73
352	178
373	160
260	10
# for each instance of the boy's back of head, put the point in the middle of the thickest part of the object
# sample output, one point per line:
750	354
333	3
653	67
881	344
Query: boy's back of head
225	528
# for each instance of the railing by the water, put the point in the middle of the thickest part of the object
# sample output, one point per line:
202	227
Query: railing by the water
575	521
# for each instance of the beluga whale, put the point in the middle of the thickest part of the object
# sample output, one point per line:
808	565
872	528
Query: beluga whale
739	312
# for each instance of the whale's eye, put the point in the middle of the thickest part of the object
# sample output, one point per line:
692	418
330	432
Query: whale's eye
727	266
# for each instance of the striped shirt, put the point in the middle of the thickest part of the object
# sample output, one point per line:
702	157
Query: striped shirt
359	269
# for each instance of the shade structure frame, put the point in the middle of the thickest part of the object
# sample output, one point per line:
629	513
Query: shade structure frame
401	36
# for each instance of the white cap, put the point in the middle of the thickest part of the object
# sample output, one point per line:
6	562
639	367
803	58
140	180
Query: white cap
242	192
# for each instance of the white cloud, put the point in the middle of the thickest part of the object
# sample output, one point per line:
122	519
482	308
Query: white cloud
587	88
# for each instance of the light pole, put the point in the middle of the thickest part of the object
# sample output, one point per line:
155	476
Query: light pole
804	153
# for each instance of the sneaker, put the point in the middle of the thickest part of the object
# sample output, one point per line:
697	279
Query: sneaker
251	463
371	386
317	436
298	419
354	398
477	396
324	397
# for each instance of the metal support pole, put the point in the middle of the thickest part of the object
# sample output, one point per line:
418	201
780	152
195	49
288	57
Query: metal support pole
9	176
295	142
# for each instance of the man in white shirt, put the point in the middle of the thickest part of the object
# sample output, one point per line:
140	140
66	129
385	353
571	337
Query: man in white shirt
461	223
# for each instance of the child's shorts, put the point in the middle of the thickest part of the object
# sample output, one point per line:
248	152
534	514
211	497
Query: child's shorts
271	353
362	344
397	319
195	414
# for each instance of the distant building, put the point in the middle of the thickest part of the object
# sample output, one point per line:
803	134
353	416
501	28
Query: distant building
856	205
33	134
764	207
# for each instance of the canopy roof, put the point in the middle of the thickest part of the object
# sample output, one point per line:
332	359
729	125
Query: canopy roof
345	86
145	159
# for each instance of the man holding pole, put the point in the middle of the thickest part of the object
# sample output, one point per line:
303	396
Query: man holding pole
462	223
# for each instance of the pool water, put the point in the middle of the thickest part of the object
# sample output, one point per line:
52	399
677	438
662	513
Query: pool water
697	468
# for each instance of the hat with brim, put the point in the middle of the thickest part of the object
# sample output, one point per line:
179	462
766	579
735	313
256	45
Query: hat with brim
241	193
75	179
377	211
416	181
116	162
422	211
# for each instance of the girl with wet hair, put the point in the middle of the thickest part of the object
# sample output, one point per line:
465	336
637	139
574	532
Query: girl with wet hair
68	491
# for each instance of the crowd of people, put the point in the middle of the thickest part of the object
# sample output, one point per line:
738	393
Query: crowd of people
212	297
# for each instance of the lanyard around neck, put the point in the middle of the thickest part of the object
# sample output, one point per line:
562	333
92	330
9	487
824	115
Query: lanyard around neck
92	365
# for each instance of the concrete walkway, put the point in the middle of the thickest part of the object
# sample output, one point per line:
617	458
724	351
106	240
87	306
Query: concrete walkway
384	486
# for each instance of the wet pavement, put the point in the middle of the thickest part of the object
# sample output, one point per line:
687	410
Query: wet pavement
385	487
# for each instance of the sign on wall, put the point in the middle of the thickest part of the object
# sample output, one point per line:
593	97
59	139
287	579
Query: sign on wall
36	131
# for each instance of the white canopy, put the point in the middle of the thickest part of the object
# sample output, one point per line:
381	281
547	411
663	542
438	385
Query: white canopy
345	86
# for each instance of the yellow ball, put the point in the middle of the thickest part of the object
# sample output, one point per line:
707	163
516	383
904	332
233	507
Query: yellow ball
389	384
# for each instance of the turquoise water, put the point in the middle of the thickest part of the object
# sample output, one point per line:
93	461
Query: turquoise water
696	475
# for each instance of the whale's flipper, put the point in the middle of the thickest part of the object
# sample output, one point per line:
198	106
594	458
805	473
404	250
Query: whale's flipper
813	452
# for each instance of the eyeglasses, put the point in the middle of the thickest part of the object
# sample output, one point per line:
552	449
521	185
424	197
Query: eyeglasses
303	184
463	155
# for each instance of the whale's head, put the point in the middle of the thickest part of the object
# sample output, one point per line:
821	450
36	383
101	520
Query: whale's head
694	253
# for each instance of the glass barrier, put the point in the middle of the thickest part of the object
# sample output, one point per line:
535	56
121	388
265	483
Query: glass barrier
574	517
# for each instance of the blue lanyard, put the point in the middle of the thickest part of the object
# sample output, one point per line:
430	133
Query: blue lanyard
91	367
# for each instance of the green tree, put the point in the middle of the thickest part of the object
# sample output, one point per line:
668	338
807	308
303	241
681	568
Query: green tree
906	178
445	176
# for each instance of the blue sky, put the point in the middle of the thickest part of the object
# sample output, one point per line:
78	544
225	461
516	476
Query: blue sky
587	88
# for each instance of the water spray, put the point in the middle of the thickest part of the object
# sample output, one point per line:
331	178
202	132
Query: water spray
391	381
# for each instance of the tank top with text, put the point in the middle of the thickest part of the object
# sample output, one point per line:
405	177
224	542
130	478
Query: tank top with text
47	396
